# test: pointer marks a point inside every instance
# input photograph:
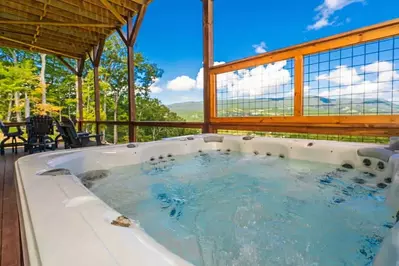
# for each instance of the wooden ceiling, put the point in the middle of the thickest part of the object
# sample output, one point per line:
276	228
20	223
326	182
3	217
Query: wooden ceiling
67	28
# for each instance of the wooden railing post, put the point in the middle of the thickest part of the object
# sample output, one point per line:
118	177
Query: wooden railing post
212	100
298	86
207	24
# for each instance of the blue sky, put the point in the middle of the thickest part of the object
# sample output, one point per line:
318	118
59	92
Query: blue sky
171	34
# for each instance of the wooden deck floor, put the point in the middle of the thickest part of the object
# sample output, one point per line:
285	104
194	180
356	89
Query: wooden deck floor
11	252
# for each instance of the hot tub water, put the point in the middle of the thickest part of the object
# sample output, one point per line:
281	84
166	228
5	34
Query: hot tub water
227	208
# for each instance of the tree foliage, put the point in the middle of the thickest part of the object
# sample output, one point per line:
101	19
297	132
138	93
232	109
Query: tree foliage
56	93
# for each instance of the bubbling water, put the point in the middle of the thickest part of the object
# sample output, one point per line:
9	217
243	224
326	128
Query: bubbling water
227	208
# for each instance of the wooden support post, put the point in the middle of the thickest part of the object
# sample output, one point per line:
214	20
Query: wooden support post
97	52
130	82
137	24
97	97
129	39
207	24
80	66
80	102
298	86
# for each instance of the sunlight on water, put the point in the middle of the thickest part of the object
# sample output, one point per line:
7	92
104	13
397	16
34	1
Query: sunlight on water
225	208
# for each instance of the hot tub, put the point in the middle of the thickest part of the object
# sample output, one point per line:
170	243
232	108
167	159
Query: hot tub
64	223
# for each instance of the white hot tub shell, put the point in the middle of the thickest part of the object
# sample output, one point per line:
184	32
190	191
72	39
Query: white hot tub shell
63	223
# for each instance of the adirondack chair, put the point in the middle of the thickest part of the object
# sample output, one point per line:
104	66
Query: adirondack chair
39	129
73	139
66	121
13	136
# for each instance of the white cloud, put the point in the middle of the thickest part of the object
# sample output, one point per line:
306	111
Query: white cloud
326	10
181	83
377	67
154	88
341	75
352	83
384	70
260	48
257	81
319	24
200	76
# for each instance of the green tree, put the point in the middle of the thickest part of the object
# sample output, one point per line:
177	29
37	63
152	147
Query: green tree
49	87
16	79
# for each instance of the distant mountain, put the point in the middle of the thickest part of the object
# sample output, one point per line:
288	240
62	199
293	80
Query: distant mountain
193	111
186	106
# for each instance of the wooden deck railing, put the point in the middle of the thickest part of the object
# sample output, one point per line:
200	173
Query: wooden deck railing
374	125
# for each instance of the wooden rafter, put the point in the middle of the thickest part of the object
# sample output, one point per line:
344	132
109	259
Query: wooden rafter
113	11
60	45
40	18
37	47
58	24
68	28
29	11
50	33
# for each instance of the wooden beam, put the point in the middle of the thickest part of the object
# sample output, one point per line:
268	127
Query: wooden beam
91	56
168	124
127	4
130	82
37	47
66	7
207	27
298	86
177	124
98	50
122	35
356	129
137	25
321	120
51	32
30	10
81	65
325	130
71	68
58	24
110	7
59	45
372	33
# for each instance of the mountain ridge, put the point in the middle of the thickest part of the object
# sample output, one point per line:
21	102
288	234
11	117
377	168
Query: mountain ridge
193	110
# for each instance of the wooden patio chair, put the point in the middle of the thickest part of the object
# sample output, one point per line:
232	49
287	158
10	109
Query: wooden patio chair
13	136
39	129
66	121
74	140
